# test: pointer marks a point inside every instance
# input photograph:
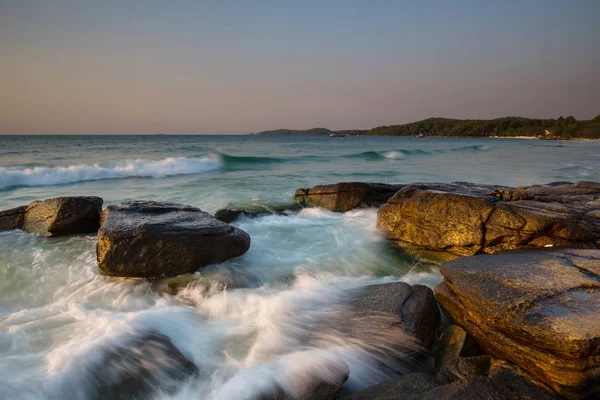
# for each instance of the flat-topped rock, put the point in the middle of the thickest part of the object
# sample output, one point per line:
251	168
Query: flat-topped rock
149	239
440	222
345	196
537	309
55	217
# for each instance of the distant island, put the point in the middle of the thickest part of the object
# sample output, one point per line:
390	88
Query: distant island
313	132
560	128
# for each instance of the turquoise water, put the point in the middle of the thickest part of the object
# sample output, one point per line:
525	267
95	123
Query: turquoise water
57	313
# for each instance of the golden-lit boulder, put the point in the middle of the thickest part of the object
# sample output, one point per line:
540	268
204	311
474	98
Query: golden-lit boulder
440	222
537	309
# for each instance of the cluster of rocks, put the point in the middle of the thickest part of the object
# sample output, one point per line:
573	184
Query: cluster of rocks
521	288
141	239
521	285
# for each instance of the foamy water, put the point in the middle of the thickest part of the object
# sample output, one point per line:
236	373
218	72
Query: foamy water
283	327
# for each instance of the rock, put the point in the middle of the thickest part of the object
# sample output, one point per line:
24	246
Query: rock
55	217
230	214
455	342
440	222
491	380
313	389
345	196
13	218
412	307
136	368
149	239
537	309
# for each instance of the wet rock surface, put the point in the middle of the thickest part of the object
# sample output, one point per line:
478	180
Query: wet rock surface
411	307
345	196
454	342
476	378
153	240
136	368
537	309
55	217
231	213
440	222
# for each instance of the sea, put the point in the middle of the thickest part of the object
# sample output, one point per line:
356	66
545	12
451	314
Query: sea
277	328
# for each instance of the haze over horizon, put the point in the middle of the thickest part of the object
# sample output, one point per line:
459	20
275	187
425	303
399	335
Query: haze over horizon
125	67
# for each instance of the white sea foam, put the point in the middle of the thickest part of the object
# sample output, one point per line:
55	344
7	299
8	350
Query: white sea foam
285	332
44	176
394	155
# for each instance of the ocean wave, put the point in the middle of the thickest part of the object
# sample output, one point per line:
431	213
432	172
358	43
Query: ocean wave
45	176
474	148
404	153
232	161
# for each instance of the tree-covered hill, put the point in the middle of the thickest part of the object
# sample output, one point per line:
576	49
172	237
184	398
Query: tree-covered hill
565	128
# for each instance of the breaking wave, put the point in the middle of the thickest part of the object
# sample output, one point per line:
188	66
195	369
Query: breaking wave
45	176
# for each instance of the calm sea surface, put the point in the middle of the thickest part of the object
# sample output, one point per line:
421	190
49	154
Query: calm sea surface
58	316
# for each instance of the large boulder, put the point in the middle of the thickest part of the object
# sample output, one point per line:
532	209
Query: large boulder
345	196
55	217
411	307
537	309
440	222
149	239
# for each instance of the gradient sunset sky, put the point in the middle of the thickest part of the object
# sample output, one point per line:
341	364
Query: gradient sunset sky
136	67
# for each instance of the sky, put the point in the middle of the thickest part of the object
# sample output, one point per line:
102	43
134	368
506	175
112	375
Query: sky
192	66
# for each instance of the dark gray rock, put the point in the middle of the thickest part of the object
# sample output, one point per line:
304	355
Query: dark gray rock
231	213
491	380
412	307
55	217
13	218
345	196
153	240
136	368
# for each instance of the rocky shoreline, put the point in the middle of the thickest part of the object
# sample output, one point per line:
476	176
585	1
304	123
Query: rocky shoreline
520	296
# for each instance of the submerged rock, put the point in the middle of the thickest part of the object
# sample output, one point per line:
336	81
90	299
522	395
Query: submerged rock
440	222
345	196
136	368
234	212
55	217
539	310
215	283
149	239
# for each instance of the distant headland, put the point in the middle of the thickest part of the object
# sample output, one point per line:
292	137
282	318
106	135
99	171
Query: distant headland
560	128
